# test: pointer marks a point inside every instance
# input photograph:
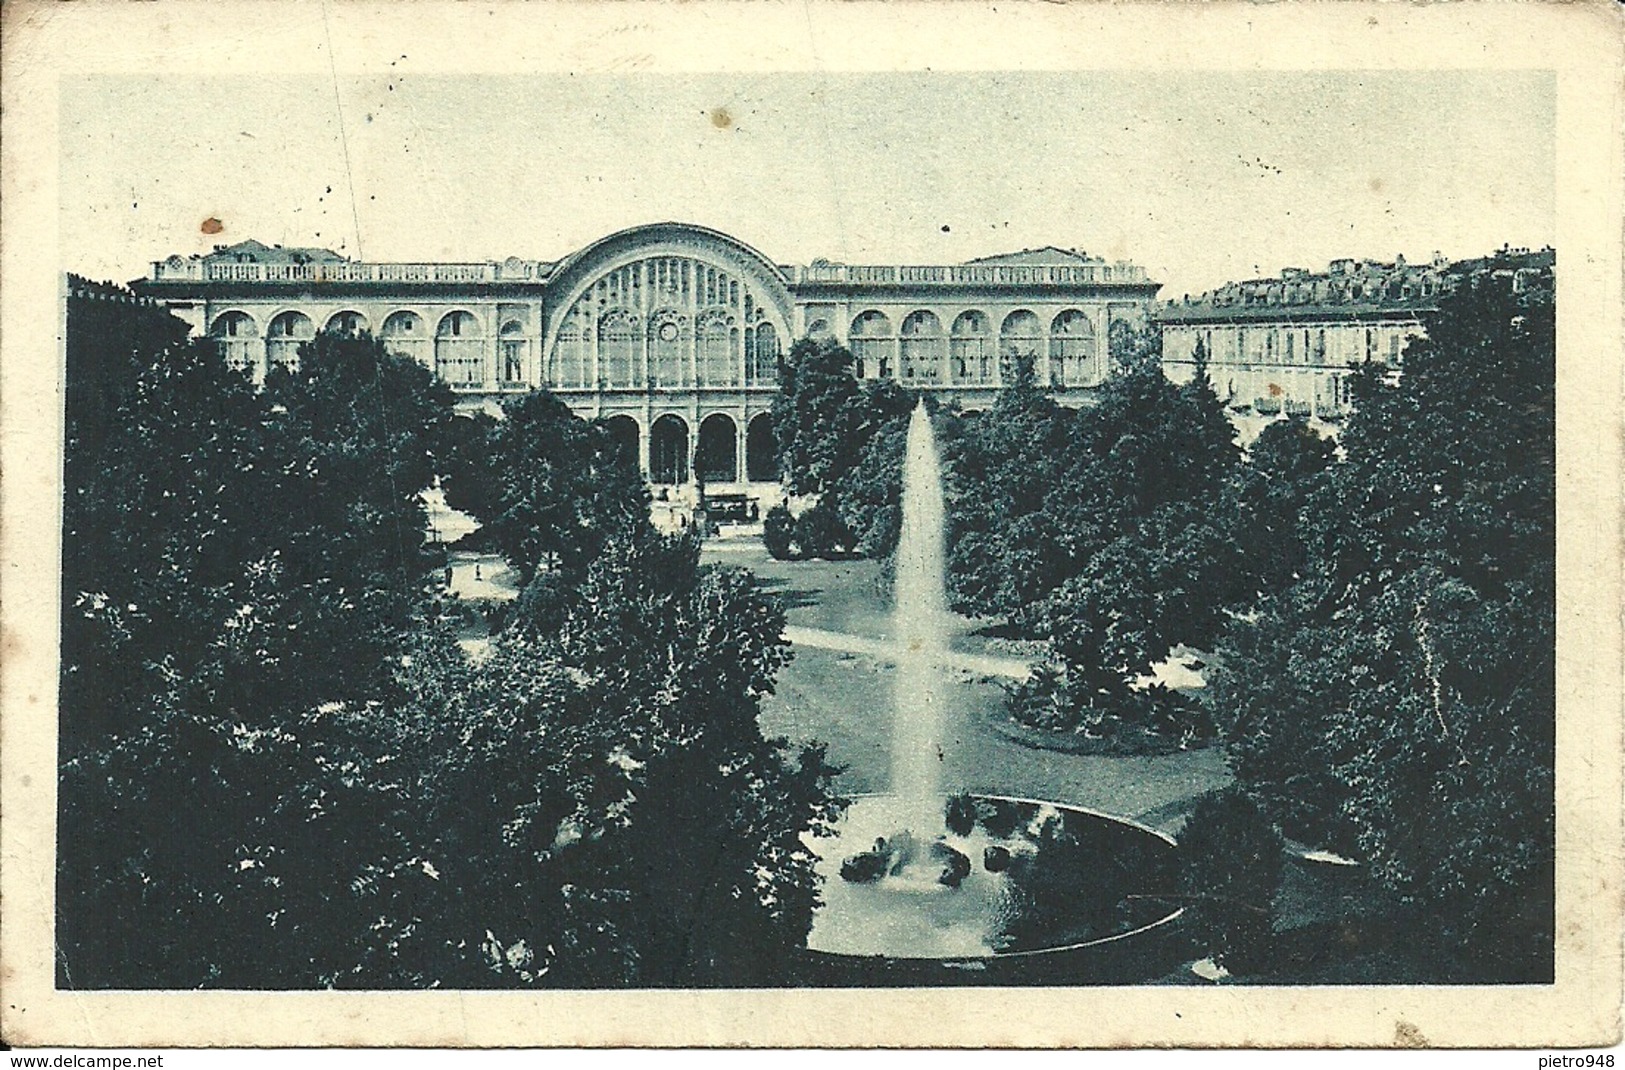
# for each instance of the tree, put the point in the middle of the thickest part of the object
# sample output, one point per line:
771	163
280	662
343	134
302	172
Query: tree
1417	648
1116	542
245	565
825	422
1004	557
291	789
1287	467
811	415
470	482
1230	874
564	487
604	809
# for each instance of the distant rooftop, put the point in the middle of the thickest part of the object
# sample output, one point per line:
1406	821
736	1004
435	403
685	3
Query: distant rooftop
257	252
1351	287
1046	255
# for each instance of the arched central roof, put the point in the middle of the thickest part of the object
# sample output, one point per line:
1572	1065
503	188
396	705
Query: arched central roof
577	272
656	234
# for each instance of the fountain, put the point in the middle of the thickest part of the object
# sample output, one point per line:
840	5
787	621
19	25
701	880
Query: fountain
920	886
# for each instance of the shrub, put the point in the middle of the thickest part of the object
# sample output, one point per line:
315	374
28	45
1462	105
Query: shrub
778	533
821	534
1231	871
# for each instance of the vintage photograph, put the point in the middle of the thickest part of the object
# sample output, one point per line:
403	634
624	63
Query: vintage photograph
806	529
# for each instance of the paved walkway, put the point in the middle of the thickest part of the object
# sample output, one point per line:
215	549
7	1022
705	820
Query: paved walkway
839	690
887	650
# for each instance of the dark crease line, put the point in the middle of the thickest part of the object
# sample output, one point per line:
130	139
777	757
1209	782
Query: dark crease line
344	137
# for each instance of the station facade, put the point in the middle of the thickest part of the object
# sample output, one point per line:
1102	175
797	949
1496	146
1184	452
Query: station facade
672	333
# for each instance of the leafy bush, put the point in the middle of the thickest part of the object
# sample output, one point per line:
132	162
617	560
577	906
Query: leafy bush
1231	872
820	533
778	532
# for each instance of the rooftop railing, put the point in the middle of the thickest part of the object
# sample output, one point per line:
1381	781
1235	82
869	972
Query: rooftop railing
842	274
969	274
340	271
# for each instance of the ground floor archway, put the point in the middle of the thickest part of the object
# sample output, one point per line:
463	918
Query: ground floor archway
668	450
761	461
625	433
717	459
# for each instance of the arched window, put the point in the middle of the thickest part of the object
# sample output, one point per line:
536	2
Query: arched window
405	335
1072	350
1020	338
238	338
347	323
284	336
515	352
719	365
764	355
717	459
620	352
572	353
819	329
669	344
922	348
459	356
668	450
872	345
971	349
761	459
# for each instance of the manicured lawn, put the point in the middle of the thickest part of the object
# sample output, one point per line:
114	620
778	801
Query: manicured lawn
845	700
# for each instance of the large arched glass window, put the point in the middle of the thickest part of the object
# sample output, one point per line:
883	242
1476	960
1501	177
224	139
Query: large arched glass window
286	334
872	345
572	354
669	345
405	336
971	350
1020	338
459	351
763	362
922	348
719	364
620	352
238	338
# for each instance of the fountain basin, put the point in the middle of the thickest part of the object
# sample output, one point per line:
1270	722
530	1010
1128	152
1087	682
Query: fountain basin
1056	895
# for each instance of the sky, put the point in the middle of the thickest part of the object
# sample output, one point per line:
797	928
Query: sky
1200	177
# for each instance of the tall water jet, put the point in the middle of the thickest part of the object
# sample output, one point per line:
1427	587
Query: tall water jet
921	624
919	877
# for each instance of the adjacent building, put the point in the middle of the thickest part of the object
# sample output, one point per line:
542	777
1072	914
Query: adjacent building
671	332
1290	344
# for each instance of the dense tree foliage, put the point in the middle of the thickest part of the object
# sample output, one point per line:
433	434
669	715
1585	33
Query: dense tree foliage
552	488
1397	699
243	564
598	804
1104	530
1230	874
280	772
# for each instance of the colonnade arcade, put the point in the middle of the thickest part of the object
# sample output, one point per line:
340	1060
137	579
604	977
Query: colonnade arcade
1067	351
672	452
